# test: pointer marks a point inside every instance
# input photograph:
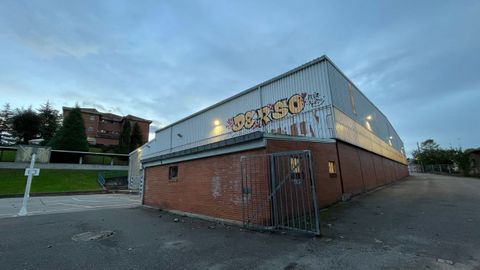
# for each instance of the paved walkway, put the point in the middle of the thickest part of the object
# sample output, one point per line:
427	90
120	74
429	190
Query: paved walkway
10	207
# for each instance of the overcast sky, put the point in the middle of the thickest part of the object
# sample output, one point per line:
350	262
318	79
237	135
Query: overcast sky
418	61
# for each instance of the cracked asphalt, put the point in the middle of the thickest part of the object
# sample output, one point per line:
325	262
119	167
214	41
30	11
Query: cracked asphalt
424	222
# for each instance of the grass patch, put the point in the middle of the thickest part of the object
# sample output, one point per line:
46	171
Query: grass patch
7	155
13	181
95	149
92	159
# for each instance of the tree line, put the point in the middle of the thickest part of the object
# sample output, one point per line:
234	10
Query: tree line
21	126
431	153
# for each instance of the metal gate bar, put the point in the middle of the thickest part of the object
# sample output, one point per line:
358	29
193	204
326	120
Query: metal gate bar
278	192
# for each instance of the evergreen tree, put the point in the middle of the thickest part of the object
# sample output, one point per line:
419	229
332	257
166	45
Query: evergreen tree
124	140
49	119
6	126
26	124
71	135
136	137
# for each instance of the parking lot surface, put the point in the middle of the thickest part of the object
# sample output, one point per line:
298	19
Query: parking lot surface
10	207
424	222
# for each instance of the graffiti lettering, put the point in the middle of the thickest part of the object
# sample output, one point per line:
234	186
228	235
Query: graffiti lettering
238	122
280	109
295	104
249	121
263	116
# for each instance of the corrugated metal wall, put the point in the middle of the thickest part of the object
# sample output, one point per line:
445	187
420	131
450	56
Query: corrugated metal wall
309	85
351	102
299	103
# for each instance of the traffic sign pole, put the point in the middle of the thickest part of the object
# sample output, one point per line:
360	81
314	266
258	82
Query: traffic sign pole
26	196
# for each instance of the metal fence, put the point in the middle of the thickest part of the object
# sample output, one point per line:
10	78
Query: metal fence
22	153
279	192
434	168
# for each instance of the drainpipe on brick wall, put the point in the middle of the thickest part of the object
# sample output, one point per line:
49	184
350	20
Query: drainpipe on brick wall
339	166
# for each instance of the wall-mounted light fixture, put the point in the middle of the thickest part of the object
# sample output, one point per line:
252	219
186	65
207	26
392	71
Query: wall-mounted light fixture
369	117
179	135
216	123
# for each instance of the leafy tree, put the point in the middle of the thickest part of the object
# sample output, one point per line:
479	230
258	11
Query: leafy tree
462	159
136	137
6	126
431	153
71	135
124	140
26	124
49	119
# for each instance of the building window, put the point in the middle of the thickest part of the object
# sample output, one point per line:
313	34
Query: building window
295	164
332	169
92	117
296	172
90	128
102	131
172	172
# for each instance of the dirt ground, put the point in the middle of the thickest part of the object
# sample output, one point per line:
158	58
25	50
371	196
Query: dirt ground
424	222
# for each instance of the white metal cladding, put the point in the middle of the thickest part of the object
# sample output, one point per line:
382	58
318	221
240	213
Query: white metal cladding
306	86
349	100
318	86
350	131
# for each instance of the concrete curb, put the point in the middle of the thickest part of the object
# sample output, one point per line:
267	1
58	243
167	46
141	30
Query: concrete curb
197	216
42	194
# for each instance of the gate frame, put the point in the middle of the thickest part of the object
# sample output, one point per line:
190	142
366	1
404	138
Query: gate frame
274	186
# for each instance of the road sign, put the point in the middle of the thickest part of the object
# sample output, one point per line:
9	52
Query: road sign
33	171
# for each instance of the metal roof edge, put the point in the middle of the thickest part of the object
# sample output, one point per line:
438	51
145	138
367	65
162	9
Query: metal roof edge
361	92
244	92
207	147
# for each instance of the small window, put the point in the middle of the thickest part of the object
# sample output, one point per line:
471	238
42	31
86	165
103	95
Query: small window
172	172
296	172
295	164
90	128
332	169
92	117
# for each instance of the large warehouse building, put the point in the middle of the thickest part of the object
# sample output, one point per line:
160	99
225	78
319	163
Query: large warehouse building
272	155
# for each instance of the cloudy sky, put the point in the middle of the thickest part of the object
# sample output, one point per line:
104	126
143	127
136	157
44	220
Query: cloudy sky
418	61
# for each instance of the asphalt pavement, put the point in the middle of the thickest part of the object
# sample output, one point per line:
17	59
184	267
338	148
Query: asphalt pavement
9	207
424	222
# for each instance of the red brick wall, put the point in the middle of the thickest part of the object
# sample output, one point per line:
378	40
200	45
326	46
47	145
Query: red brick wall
363	170
106	141
90	123
209	186
212	186
329	189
